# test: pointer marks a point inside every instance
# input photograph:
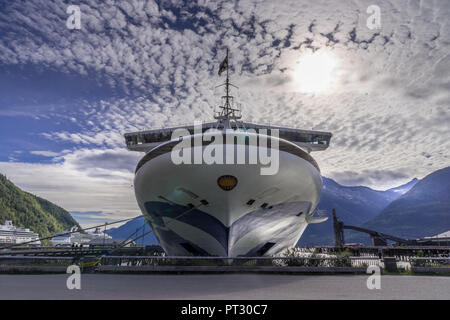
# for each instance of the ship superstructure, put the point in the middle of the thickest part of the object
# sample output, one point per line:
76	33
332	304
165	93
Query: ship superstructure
78	237
10	235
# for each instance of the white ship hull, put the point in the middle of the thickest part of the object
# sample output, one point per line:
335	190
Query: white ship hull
170	196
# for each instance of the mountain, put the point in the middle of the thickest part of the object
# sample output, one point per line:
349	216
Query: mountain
354	205
405	187
29	211
422	211
127	230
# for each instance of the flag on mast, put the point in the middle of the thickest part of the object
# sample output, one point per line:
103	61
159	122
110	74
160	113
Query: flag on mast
224	65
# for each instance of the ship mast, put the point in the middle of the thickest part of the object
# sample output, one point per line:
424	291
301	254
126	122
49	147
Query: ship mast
228	112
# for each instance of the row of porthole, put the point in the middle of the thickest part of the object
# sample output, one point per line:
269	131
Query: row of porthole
203	202
263	206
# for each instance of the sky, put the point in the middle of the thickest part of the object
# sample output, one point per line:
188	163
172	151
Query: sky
67	96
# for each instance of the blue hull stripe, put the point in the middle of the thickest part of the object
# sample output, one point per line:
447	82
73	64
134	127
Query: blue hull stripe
193	217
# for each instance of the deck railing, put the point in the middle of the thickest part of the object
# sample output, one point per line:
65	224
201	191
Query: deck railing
240	261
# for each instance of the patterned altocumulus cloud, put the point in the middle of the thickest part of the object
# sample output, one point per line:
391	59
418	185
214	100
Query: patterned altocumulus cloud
146	64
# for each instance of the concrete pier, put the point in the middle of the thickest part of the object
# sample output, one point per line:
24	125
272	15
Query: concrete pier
223	286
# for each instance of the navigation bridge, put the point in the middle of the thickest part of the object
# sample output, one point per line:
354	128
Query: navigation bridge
309	140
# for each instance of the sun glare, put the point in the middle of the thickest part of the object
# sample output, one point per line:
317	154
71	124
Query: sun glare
315	71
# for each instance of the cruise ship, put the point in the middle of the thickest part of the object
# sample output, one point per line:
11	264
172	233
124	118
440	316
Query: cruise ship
235	207
76	237
10	235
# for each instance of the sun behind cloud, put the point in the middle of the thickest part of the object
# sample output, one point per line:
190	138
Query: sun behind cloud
315	72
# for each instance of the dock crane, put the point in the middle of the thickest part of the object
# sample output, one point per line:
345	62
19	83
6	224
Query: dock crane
377	238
